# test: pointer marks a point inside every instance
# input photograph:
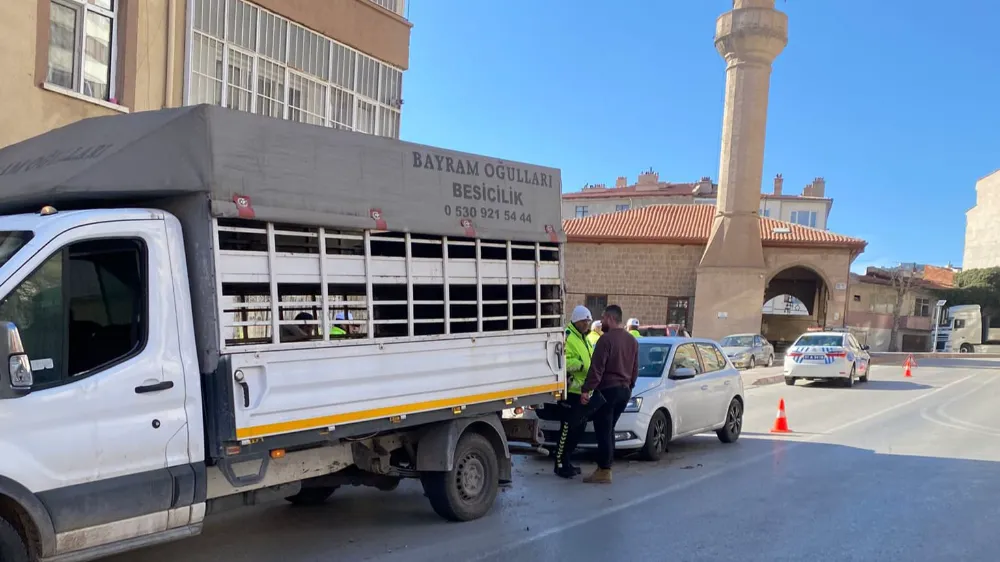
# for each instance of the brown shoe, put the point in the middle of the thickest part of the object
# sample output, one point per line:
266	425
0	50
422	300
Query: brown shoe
599	476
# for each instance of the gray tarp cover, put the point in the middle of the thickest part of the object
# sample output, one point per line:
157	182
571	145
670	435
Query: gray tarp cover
286	171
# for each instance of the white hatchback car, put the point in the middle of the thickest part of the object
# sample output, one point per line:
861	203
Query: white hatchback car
827	356
686	386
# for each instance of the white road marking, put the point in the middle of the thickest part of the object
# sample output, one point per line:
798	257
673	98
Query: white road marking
959	424
711	474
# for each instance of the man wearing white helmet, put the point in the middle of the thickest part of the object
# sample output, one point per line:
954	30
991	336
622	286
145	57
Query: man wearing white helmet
578	352
339	330
633	326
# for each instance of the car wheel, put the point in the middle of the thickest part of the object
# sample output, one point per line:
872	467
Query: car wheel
752	363
730	432
849	381
965	348
790	381
864	377
312	496
12	547
770	360
657	437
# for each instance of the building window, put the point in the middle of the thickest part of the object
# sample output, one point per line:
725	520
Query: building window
82	46
582	211
246	58
857	298
805	218
766	212
596	304
677	310
922	308
624	207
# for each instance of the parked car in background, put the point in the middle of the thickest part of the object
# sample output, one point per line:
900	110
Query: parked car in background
827	356
748	350
686	386
665	330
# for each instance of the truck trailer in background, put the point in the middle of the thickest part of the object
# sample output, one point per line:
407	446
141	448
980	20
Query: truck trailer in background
201	307
965	329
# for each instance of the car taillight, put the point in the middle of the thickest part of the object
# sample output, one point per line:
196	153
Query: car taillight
836	354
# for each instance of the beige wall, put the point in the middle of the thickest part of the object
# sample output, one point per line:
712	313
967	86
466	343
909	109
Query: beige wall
141	64
141	67
982	226
638	277
641	277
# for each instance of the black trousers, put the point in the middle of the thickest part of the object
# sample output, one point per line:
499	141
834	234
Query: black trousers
605	418
573	423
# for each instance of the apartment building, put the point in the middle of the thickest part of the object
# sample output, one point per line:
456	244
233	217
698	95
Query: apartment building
810	208
335	63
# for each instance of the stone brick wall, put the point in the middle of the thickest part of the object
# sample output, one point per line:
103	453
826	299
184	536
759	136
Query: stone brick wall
637	277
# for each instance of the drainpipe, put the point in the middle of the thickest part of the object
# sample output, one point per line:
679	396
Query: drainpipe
168	83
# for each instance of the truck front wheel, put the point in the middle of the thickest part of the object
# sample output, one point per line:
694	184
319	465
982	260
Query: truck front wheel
468	490
12	547
965	348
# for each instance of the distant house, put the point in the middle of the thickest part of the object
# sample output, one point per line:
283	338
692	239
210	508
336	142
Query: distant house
811	208
872	302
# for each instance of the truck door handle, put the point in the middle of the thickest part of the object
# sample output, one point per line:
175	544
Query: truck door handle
240	379
146	388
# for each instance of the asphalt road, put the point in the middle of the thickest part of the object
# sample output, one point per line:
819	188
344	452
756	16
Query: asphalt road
895	469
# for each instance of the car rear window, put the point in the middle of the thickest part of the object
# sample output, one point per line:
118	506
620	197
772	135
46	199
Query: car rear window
652	358
821	340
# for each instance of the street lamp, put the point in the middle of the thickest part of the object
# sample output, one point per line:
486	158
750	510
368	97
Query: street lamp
938	309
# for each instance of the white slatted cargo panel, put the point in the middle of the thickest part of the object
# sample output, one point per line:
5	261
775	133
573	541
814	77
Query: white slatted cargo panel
320	388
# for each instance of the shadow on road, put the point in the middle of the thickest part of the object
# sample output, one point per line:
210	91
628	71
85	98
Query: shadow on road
893	385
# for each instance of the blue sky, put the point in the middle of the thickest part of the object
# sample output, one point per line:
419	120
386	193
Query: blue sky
895	102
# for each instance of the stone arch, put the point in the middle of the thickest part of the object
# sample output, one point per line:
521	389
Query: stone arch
807	284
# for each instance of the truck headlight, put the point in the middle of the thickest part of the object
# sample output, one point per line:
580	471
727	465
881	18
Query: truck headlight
634	404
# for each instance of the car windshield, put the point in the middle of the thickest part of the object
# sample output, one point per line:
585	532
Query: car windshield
652	358
737	341
11	241
821	340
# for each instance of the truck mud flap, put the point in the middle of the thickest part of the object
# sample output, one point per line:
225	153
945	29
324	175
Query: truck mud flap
524	436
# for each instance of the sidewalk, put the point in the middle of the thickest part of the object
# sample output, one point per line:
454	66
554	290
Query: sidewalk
762	376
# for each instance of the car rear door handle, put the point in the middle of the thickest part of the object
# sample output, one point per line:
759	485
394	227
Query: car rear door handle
163	385
727	383
704	387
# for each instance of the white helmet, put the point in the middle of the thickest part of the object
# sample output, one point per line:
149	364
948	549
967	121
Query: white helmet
595	325
580	313
632	323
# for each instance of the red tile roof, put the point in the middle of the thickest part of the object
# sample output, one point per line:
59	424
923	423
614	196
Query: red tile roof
940	277
691	224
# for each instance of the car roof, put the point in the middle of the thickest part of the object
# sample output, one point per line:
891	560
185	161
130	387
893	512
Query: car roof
824	334
674	340
739	335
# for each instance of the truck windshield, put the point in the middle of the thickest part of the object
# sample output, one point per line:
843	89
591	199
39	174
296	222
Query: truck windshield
652	358
11	241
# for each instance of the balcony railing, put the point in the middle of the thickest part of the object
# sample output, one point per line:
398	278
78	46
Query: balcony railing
397	6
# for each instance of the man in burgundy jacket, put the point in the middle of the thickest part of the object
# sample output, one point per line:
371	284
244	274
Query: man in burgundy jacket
614	369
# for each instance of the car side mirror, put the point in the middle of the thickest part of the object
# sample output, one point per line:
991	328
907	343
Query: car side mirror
865	348
682	373
15	371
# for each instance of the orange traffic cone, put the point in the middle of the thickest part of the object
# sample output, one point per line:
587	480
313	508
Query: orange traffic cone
907	365
781	422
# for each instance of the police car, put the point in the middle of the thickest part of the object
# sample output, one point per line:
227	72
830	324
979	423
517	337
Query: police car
827	356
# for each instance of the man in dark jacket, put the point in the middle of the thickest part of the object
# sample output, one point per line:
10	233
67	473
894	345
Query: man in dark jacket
614	369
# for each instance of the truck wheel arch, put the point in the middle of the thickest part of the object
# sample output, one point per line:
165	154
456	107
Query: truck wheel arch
436	447
29	516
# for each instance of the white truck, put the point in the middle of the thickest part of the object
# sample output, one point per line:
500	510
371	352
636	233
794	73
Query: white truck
965	329
200	307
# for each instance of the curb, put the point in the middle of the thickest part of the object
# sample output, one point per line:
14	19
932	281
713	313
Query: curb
764	381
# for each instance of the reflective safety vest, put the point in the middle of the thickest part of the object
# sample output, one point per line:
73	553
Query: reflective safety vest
578	353
635	333
592	338
337	331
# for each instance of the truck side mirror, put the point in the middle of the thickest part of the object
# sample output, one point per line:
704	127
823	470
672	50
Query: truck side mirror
15	373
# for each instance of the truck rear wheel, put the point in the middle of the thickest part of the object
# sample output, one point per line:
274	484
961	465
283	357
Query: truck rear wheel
468	490
12	547
312	496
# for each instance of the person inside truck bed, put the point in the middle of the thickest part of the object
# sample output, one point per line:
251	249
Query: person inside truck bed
299	332
340	330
